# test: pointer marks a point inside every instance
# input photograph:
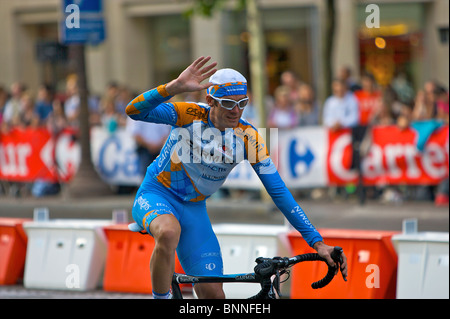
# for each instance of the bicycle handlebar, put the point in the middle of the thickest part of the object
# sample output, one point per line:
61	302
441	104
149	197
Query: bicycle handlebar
267	267
335	255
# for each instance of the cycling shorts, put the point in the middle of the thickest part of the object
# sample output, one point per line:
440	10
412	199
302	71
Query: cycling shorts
198	248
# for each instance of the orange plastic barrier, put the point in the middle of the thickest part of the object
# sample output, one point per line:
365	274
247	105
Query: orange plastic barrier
372	266
13	248
127	267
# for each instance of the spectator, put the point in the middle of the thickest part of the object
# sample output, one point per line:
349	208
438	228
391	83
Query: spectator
425	107
389	109
385	116
306	106
420	109
250	112
442	112
28	117
56	121
3	99
13	107
426	119
42	187
291	81
345	74
150	138
425	114
109	116
124	96
369	100
403	88
404	117
112	91
44	102
370	107
72	103
340	110
283	114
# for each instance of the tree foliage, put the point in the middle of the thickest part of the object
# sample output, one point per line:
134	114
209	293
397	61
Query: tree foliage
207	8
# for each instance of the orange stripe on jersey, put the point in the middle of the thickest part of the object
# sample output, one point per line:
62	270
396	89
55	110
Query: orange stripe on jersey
131	109
198	198
189	112
175	167
164	178
162	90
144	219
255	145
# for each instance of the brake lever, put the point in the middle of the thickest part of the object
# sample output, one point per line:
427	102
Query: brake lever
276	283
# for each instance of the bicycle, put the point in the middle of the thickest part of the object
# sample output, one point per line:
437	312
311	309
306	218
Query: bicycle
267	272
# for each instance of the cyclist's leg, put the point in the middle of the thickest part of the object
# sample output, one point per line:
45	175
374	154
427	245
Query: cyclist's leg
199	251
166	231
158	217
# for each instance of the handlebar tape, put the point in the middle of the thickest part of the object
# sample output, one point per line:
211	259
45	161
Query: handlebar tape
336	256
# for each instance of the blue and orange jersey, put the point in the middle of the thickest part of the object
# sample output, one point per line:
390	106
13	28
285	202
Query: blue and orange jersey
197	158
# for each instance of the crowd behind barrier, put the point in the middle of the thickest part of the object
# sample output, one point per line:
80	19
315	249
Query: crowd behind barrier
361	111
306	157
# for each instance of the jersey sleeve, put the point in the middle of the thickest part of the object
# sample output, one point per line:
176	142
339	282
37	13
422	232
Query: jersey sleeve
152	106
286	203
280	194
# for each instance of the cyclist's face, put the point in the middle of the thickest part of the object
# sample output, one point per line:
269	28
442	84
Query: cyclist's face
223	118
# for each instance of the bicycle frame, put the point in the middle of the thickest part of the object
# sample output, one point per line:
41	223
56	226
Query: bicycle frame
230	278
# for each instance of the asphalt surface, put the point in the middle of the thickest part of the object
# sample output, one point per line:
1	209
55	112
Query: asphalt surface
337	213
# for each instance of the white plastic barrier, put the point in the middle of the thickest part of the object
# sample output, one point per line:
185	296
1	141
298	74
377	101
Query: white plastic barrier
65	254
423	265
241	244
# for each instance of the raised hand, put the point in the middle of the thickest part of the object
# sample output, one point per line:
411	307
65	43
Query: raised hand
190	79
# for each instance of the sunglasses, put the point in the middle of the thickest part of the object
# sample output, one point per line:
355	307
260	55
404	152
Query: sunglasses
230	104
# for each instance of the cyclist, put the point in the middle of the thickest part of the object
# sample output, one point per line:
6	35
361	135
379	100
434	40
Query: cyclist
206	142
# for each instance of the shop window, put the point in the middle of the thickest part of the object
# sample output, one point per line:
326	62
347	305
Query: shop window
171	46
396	46
288	38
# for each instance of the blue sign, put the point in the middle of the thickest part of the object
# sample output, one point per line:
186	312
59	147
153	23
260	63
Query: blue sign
83	22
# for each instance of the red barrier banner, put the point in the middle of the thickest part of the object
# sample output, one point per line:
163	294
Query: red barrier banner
308	157
26	155
393	158
30	154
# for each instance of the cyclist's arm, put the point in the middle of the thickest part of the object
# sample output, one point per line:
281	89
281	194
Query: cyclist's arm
285	202
151	106
258	156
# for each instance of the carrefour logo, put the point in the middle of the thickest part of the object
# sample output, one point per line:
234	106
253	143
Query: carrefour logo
301	157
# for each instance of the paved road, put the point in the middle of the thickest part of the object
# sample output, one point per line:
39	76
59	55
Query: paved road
323	214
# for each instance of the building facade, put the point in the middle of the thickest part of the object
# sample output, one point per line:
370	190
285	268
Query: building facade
150	41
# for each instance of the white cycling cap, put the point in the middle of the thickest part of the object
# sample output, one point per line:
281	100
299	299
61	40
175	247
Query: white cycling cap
227	82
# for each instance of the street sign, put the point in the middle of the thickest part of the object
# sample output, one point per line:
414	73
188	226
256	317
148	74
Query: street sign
83	22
